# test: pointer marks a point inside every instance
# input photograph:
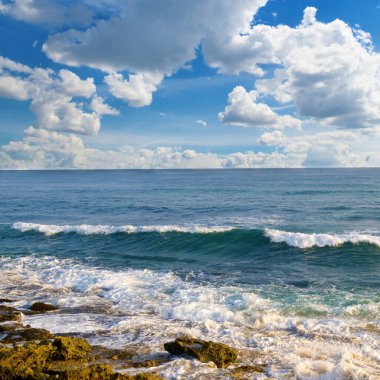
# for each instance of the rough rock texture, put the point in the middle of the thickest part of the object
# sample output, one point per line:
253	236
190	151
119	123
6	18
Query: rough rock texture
10	326
139	376
104	353
68	371
68	348
40	307
205	351
28	362
19	335
247	371
39	362
9	314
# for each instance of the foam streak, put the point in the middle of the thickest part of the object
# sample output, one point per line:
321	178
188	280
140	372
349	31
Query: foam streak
302	240
86	229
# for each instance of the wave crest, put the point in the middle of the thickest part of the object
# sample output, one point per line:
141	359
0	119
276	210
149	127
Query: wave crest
303	240
87	229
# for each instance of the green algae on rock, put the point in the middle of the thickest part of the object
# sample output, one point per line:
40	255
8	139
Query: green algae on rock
27	362
205	351
70	371
68	348
27	334
246	371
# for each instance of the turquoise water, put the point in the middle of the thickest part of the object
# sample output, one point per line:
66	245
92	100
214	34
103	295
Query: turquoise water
284	261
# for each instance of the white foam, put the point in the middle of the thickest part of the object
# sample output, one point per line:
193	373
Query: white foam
145	308
88	229
302	240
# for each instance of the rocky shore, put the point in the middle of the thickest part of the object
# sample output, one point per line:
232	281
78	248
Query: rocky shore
34	353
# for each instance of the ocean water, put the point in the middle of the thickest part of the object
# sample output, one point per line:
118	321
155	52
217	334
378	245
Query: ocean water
282	264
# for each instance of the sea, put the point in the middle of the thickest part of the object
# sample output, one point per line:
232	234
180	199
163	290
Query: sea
283	265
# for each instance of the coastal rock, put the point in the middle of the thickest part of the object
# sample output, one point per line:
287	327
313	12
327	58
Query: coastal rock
68	348
113	354
246	371
10	326
40	307
10	314
205	351
5	300
69	371
27	362
139	376
149	363
19	335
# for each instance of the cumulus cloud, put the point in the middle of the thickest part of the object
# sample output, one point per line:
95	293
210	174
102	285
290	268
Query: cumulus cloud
101	108
173	30
275	138
243	110
11	87
328	73
327	70
323	149
42	149
137	90
48	12
53	97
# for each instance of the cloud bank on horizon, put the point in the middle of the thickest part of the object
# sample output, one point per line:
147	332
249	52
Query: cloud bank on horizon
313	98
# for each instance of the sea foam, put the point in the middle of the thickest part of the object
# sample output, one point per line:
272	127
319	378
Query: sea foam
303	240
87	229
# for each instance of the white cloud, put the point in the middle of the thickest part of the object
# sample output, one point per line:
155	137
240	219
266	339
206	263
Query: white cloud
243	110
8	64
326	149
42	149
53	97
48	12
137	90
201	122
275	138
101	108
172	31
11	87
73	86
329	72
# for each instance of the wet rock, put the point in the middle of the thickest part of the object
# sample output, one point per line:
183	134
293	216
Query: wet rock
19	335
246	371
70	371
27	362
205	351
40	307
149	363
104	353
10	326
68	348
139	376
10	314
5	300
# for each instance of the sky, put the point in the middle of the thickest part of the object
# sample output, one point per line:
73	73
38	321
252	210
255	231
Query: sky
118	84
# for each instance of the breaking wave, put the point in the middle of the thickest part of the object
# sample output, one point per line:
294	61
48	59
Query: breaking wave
293	239
303	240
87	229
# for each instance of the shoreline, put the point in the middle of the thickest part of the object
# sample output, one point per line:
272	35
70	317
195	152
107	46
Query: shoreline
35	353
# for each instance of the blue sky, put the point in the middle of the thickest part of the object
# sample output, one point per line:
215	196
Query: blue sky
136	84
